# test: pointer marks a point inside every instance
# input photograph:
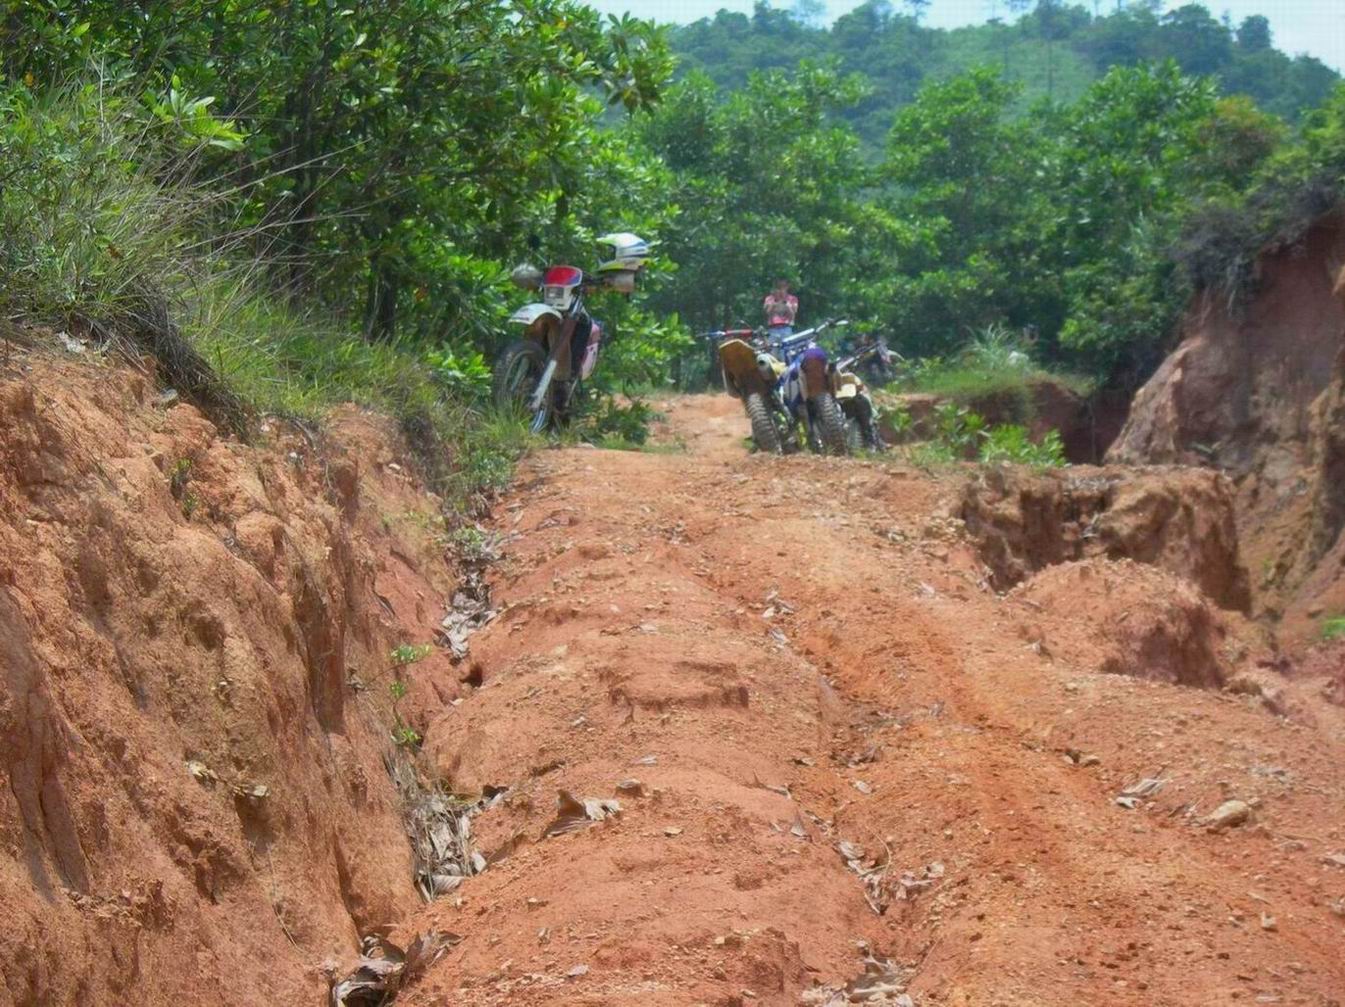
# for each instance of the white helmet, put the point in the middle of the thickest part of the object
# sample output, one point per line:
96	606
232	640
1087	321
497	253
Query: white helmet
629	251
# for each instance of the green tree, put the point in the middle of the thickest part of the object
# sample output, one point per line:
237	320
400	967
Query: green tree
962	177
1143	148
389	139
1254	34
768	183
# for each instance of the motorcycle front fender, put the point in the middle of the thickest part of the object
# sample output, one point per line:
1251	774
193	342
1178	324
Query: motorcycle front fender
529	313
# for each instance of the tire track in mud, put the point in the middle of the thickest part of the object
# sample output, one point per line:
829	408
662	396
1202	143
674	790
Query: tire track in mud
762	657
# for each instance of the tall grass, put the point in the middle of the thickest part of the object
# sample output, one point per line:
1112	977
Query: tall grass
997	363
109	221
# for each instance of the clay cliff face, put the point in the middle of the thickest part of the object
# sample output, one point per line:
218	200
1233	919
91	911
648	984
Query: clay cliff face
1260	393
194	709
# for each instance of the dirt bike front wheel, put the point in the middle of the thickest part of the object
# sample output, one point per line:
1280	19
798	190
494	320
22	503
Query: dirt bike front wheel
517	372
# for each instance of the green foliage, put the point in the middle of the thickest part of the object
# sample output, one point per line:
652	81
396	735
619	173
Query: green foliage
193	119
1065	222
1054	52
958	428
178	479
1090	217
961	434
403	734
895	417
999	348
995	365
1302	179
641	349
1012	444
395	150
769	185
407	653
1333	628
406	736
325	198
465	372
92	204
470	543
614	424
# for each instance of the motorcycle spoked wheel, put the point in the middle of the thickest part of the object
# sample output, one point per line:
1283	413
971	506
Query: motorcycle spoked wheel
765	434
828	425
861	427
517	372
854	436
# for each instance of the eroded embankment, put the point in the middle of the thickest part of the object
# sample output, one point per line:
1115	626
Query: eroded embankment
194	705
1257	388
828	735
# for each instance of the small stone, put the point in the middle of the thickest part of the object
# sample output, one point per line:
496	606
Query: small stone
1227	815
577	971
1268	922
672	830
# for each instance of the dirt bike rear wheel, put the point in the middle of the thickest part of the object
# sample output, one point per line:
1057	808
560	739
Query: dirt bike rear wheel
517	372
830	424
764	431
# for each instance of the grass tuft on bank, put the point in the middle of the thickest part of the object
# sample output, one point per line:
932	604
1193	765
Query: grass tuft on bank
111	227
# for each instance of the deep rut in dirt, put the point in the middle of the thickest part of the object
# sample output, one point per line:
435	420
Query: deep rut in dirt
829	738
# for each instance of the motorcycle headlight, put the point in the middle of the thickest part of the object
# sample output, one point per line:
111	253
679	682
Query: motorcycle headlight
554	296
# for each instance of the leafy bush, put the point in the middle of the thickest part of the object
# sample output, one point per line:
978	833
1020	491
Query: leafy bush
464	372
613	424
896	417
1333	628
958	428
960	434
1012	444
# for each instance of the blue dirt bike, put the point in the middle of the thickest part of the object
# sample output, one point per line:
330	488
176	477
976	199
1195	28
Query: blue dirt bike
802	392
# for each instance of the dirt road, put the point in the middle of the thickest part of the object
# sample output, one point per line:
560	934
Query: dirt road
778	665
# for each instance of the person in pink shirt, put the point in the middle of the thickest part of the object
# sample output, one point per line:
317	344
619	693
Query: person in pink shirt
781	308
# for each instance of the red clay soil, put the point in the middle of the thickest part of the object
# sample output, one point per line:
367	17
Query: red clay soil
182	619
1258	389
761	658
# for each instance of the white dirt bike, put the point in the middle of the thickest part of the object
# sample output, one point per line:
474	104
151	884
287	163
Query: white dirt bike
541	373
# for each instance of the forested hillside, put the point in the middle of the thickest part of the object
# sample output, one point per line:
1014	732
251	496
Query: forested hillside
1054	50
325	201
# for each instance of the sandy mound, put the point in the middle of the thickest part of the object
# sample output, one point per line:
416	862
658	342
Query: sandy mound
1128	618
1178	519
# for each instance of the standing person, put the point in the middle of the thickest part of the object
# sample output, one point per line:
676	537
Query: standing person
781	308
